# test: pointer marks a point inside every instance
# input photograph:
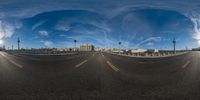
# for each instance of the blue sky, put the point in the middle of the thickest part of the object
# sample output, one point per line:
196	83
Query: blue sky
137	24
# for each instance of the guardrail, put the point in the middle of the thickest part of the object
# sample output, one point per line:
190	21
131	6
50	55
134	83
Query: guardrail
150	55
42	53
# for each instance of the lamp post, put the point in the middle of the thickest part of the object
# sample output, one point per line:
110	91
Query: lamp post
174	45
119	46
75	45
18	43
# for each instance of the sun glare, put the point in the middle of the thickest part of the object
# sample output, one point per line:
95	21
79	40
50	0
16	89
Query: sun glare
1	42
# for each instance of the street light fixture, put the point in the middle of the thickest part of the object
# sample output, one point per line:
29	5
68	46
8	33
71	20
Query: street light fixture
174	45
75	45
18	43
119	46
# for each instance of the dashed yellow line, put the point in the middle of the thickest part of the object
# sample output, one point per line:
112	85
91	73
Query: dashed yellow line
13	62
78	65
186	64
112	66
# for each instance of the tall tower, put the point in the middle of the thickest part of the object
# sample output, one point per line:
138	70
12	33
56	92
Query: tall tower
174	45
18	43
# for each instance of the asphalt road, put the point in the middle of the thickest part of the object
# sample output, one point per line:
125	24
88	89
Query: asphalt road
99	76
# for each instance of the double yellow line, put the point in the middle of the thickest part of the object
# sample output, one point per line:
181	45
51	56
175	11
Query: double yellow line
112	66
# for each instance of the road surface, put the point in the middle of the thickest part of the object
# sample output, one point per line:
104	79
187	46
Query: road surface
99	76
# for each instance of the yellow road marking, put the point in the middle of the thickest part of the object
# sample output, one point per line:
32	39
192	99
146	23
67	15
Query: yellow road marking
186	64
112	66
78	65
13	62
16	64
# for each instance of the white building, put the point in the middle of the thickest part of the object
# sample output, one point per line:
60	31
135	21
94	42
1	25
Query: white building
86	47
138	50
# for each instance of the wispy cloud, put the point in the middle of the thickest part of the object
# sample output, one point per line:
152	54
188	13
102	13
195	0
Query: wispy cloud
44	33
149	41
7	29
150	44
62	28
196	34
38	24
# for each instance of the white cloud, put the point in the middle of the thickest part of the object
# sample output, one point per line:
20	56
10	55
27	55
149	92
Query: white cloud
63	35
44	33
150	40
196	34
150	44
1	42
6	30
38	24
62	28
47	43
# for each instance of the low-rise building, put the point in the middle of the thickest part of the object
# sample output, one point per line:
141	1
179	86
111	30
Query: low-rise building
196	49
152	50
138	50
67	49
86	47
1	48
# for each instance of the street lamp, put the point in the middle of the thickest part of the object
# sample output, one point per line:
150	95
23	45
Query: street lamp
75	45
18	43
119	46
174	44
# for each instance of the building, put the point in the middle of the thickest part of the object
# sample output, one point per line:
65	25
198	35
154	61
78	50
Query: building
196	49
66	49
138	50
86	47
1	49
152	50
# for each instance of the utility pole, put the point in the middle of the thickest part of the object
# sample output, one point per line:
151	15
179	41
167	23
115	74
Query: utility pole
12	47
18	43
75	45
174	45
